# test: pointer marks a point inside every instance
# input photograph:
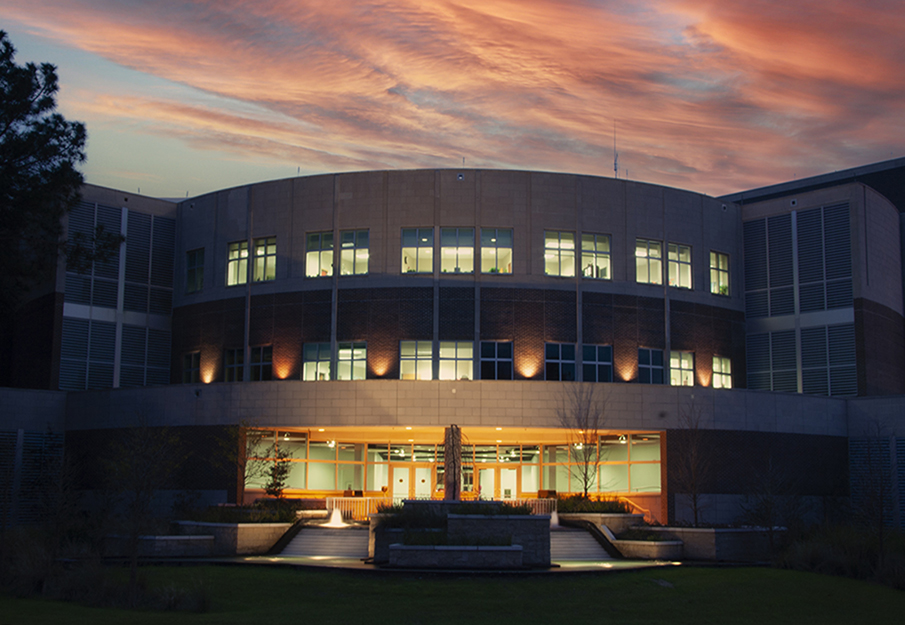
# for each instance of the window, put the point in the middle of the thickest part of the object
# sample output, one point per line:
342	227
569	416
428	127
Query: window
416	360
648	261
354	254
191	368
233	363
352	361
595	256
237	263
456	360
597	363
680	266
650	365
496	360
194	271
262	363
319	257
722	372
457	250
496	250
559	254
316	361
681	368
265	259
418	250
560	361
719	273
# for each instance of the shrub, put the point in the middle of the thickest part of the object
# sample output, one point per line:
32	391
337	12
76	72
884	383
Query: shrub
580	503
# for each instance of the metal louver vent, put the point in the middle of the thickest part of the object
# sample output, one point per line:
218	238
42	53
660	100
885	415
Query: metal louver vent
810	246
103	342
755	233
779	233
162	250
138	248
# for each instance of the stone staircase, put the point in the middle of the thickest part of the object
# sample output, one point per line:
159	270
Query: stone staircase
568	543
348	542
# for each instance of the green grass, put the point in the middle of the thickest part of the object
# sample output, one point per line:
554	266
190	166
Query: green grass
698	596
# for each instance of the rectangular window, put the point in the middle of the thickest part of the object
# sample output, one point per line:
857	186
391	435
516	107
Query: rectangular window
559	254
316	361
262	363
595	256
650	365
354	254
680	266
496	360
722	372
456	360
416	360
597	363
496	250
352	361
194	271
457	250
681	368
417	250
233	364
648	261
560	361
237	263
191	368
319	256
265	259
719	273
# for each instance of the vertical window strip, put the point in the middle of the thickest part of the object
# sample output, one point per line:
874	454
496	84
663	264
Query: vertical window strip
265	259
355	253
559	254
319	255
648	261
496	250
680	272
595	256
237	263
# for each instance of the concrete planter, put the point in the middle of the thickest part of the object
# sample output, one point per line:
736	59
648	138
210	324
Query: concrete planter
455	557
161	546
234	539
615	522
650	549
721	544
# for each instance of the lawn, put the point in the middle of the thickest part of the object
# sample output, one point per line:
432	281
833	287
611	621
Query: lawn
670	595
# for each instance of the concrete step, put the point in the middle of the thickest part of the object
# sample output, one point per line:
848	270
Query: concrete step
575	544
351	542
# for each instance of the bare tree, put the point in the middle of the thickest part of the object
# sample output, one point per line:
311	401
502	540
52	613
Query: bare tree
692	470
582	412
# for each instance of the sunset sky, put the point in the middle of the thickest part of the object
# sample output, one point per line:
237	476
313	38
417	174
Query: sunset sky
712	96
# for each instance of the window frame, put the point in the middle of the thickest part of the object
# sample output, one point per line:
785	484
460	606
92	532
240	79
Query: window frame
647	261
462	360
591	256
561	361
596	359
490	246
421	355
653	370
557	254
265	259
360	242
423	250
191	368
458	250
261	363
354	348
722	372
234	364
194	270
324	355
677	264
237	265
319	246
496	360
682	374
719	277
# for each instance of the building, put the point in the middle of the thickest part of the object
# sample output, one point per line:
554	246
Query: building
352	317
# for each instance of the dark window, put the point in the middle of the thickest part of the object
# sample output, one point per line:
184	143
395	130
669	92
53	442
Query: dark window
191	368
560	362
496	360
262	363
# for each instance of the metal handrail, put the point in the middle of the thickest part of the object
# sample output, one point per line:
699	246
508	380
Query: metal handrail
360	508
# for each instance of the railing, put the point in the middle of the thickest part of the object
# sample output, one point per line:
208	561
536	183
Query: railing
638	509
359	508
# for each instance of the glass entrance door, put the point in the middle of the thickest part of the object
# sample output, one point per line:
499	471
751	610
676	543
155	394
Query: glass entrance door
423	483
508	483
487	483
400	481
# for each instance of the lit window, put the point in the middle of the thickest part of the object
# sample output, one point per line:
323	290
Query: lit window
416	360
595	256
722	372
316	361
650	365
680	266
560	361
194	271
456	360
265	259
354	252
457	250
319	257
233	364
237	263
191	368
681	368
719	273
352	361
559	254
418	250
496	250
262	363
597	363
496	360
648	261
